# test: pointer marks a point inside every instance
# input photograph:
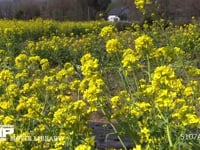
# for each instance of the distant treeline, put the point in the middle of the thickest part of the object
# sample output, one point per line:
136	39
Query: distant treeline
81	10
53	9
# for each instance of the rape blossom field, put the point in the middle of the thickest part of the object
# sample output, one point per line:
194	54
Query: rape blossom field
54	76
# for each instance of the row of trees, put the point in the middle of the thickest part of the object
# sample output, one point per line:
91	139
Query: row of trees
79	10
54	9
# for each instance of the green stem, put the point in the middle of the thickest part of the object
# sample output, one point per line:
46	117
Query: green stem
166	121
115	131
149	68
168	136
124	79
167	127
135	80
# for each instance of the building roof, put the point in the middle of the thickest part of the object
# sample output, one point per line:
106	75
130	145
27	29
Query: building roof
119	11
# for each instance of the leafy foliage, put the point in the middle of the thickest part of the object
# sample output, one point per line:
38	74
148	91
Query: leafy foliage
54	76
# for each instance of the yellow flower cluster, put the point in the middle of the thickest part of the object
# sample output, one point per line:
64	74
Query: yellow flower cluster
167	54
6	77
140	4
130	57
83	147
43	96
143	44
92	84
89	65
21	61
107	31
113	46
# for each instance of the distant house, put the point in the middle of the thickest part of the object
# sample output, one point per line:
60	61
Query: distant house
120	11
113	18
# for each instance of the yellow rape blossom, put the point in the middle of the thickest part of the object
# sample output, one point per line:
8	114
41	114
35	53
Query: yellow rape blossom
47	79
50	88
21	61
70	120
58	116
138	147
69	68
12	90
8	31
191	119
79	105
164	103
64	98
89	65
8	120
6	77
40	127
25	88
21	75
37	83
61	142
107	31
20	106
34	59
167	53
6	104
113	46
129	59
140	4
145	134
83	147
94	89
44	64
143	44
163	71
188	91
136	113
75	84
139	108
193	71
115	101
65	73
62	87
